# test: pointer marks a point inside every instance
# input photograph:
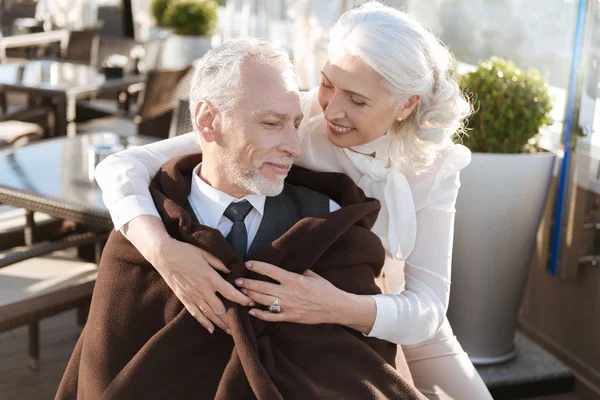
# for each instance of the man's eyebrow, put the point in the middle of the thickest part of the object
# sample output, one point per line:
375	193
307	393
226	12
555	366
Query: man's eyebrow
346	90
277	114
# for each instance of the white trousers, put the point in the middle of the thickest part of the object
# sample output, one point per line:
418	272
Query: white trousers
442	370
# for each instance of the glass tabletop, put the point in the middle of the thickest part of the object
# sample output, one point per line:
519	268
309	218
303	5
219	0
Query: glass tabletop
48	74
60	168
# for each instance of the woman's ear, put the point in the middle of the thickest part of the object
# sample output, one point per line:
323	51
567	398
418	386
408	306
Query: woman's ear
204	118
408	107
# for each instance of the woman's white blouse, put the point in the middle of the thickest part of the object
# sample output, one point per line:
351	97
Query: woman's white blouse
415	224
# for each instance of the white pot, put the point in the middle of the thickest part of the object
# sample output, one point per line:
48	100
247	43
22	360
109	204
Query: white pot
158	33
180	51
498	212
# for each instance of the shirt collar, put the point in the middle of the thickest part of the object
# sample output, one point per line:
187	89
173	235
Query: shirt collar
211	203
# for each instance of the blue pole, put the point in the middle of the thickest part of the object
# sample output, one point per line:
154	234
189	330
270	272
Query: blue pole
567	150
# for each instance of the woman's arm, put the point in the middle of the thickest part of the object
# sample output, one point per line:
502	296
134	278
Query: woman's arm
416	314
124	177
409	317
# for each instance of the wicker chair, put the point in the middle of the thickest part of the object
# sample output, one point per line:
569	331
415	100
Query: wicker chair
17	133
181	123
37	283
83	46
22	127
106	104
160	97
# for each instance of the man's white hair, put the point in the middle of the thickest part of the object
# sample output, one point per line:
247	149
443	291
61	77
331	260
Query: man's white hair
411	61
217	76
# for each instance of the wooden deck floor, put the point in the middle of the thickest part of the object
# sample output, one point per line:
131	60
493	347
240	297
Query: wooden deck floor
58	336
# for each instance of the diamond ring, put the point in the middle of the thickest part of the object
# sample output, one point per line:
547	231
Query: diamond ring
275	309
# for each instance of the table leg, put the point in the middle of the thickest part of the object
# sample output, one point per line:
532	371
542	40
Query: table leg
91	252
29	230
61	116
65	116
71	107
34	345
3	102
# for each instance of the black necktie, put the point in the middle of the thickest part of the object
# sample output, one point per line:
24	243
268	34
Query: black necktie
238	237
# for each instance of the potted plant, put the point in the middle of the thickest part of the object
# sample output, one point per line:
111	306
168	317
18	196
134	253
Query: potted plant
193	22
499	206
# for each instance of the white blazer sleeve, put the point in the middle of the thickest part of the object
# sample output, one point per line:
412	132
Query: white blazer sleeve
124	177
416	314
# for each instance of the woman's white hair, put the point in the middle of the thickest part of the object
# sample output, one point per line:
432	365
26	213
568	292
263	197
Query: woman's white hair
411	61
217	76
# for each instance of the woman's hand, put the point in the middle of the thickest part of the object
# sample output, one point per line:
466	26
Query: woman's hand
306	299
189	271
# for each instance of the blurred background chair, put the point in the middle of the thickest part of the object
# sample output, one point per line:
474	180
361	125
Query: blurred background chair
25	126
82	45
181	123
16	133
142	57
42	280
158	98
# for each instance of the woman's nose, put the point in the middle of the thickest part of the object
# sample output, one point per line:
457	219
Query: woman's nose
334	110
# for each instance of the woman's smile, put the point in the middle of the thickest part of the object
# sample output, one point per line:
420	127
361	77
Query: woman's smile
338	129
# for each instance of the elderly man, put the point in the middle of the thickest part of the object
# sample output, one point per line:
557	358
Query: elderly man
234	201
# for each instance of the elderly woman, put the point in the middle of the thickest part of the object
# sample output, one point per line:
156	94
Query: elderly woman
385	114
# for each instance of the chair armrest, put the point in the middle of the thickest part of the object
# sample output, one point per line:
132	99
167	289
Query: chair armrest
73	240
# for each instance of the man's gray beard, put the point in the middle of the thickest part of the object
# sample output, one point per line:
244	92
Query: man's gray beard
250	180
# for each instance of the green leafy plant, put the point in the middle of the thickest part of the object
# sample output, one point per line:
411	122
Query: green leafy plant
511	105
192	17
158	8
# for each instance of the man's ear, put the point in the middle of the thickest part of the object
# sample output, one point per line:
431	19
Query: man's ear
204	120
408	107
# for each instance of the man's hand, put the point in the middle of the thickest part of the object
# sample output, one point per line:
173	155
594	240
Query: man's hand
188	270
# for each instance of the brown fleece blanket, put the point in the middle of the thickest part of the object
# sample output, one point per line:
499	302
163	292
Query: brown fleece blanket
141	343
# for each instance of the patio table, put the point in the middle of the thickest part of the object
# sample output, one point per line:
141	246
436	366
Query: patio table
51	176
62	82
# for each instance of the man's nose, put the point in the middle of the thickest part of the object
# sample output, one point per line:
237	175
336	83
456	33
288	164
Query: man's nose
291	145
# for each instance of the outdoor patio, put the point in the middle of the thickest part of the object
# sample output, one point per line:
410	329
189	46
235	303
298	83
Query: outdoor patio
77	86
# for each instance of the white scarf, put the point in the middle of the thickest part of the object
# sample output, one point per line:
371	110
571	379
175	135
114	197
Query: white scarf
396	225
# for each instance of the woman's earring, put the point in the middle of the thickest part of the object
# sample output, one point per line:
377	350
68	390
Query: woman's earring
399	119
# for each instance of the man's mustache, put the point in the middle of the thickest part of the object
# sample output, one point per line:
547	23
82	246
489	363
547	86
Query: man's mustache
286	161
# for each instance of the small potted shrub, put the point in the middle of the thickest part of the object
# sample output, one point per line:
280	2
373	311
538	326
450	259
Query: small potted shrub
193	22
499	207
511	105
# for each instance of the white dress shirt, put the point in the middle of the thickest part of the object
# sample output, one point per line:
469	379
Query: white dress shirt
415	225
209	205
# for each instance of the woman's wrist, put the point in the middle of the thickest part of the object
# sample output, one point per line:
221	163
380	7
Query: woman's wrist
149	236
356	311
